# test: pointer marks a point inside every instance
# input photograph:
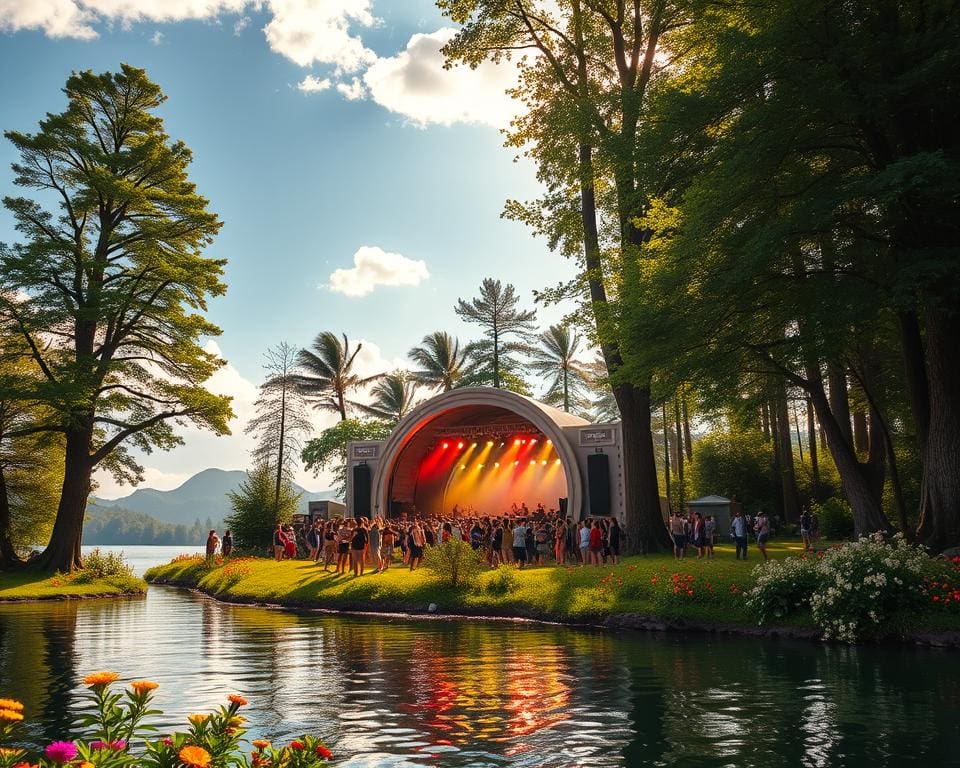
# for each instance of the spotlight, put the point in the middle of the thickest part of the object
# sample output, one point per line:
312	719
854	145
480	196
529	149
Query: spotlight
479	466
446	445
523	442
489	443
473	445
460	446
533	440
496	464
533	461
544	462
549	442
516	463
517	441
501	445
463	466
557	461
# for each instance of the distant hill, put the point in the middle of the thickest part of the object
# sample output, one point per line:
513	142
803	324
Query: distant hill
203	495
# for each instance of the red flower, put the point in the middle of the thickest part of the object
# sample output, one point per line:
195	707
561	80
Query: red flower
296	745
324	753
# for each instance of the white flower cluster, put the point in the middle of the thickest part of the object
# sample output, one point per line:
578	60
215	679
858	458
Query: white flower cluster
851	590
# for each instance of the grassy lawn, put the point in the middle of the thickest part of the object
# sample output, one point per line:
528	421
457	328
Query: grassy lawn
712	590
27	584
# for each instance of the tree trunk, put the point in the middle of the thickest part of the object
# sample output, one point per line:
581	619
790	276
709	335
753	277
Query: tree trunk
839	400
861	432
666	458
63	551
644	522
940	488
812	450
765	419
788	478
8	554
687	442
681	454
796	423
283	418
868	515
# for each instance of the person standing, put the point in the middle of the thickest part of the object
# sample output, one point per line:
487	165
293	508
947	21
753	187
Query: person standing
358	545
417	542
344	538
678	534
314	541
595	542
740	530
616	536
584	542
388	540
710	529
375	544
329	544
762	528
226	545
520	543
560	542
806	530
278	541
699	535
213	542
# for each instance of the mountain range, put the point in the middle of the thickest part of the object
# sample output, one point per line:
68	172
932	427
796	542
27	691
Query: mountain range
202	496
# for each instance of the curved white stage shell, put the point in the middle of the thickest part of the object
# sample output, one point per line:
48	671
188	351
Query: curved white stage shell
386	478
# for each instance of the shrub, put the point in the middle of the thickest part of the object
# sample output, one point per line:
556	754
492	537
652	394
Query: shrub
110	730
865	589
836	518
98	564
454	562
502	581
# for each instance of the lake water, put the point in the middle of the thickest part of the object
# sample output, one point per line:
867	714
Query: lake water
392	692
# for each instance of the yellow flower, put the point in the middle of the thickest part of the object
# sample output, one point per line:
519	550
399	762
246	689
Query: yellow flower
198	719
195	757
238	700
85	764
7	752
260	743
11	716
142	686
100	678
13	704
236	721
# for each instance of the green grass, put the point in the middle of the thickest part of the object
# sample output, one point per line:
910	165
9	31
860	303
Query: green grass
639	585
28	584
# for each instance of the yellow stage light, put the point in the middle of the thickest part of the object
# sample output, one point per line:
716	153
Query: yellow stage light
533	461
496	463
463	466
557	461
544	462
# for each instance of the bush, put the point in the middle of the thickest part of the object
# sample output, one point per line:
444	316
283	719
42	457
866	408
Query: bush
866	589
114	721
502	581
836	519
99	565
454	562
738	465
782	587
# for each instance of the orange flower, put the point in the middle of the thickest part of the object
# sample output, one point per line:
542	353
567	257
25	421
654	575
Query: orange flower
238	700
13	704
7	752
142	686
98	679
25	764
260	743
11	716
198	719
85	764
195	757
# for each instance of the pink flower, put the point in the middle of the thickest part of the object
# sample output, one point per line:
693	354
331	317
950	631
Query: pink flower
117	745
61	751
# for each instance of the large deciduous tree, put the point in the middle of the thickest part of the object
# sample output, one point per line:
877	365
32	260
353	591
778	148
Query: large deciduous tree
586	89
107	286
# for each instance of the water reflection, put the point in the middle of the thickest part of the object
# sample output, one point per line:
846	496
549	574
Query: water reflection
418	693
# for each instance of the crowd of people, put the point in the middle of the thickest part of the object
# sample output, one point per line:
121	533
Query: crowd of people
522	538
355	545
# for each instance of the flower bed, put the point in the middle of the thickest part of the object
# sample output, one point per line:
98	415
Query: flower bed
117	737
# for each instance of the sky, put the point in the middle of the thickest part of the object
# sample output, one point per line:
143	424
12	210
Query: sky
359	182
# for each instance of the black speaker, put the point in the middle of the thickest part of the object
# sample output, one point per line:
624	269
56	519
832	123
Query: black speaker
598	484
563	506
361	490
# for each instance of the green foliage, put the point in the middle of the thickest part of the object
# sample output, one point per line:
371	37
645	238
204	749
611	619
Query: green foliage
554	357
329	451
327	376
737	465
835	518
114	732
440	359
502	581
115	525
99	564
255	511
867	589
394	395
454	562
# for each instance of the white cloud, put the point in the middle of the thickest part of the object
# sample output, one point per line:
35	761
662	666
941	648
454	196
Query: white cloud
353	90
241	24
312	84
414	84
157	37
372	266
321	31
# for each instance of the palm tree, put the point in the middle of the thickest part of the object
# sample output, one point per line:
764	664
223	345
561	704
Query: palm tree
328	373
555	359
603	405
393	397
440	359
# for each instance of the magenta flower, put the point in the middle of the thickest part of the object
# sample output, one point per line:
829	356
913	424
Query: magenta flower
117	745
61	751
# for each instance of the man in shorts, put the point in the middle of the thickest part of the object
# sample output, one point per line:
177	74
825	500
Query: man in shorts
520	543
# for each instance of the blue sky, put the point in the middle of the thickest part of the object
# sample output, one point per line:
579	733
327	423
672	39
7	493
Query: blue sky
319	127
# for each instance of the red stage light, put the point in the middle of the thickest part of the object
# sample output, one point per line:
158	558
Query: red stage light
533	441
517	441
460	446
516	463
446	445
